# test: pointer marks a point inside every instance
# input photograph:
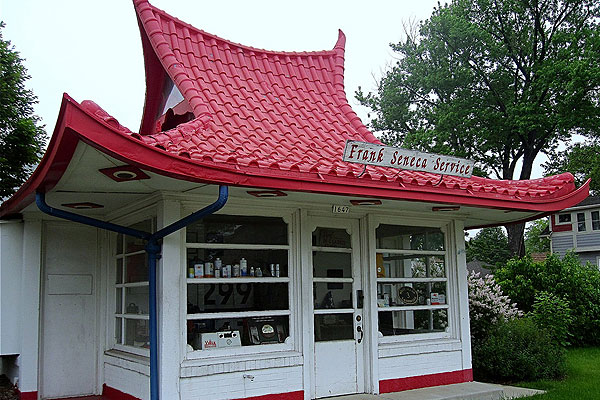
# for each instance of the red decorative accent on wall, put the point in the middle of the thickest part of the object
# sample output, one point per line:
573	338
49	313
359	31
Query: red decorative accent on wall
417	382
115	394
562	227
299	395
27	395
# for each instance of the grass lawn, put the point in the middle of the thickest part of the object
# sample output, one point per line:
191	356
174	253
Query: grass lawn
582	381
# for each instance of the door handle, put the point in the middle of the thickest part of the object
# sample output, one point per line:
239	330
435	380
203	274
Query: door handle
360	330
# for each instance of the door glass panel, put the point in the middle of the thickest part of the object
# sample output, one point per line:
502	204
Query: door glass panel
410	266
331	237
334	327
332	265
402	237
330	295
409	322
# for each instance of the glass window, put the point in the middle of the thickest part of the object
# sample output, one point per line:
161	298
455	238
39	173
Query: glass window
412	280
235	229
238	286
131	289
564	218
595	220
581	222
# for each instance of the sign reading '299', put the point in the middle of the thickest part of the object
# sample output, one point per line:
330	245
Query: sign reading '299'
395	157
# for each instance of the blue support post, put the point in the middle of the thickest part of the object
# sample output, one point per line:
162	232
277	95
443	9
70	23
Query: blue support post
153	249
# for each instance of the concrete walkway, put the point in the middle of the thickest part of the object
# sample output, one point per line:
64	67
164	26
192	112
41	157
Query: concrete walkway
458	391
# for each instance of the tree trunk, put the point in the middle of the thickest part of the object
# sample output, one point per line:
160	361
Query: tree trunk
516	240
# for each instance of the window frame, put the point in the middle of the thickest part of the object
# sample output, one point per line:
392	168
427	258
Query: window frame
291	343
566	214
452	300
113	316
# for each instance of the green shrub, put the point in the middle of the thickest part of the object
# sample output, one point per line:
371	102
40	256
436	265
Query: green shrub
552	314
517	350
523	279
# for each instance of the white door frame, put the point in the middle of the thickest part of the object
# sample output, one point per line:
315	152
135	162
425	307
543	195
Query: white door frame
359	236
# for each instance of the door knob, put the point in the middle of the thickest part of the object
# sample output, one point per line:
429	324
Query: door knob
360	330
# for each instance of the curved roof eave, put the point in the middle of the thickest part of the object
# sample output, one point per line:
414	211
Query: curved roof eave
75	124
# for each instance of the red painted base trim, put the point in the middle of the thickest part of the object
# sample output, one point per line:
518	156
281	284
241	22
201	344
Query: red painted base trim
27	395
114	394
299	395
416	382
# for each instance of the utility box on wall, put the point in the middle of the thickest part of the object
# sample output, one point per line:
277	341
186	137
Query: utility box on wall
11	258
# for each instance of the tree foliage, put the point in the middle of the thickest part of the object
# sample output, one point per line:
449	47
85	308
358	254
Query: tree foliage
580	159
21	139
495	81
534	243
490	246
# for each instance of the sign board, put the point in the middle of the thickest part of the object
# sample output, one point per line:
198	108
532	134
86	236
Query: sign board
395	157
340	209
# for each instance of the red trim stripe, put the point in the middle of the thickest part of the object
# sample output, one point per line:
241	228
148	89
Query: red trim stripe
115	394
299	395
27	395
417	382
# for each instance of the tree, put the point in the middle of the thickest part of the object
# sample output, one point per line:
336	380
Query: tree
494	81
534	242
580	159
21	139
490	246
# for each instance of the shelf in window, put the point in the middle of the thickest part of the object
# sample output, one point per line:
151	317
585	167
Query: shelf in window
410	280
414	308
413	252
333	280
243	279
334	311
332	249
240	314
133	316
227	246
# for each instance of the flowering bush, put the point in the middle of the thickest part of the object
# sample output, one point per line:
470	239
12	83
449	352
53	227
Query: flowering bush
487	305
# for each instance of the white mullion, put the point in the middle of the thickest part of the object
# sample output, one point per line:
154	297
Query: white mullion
134	316
225	246
332	249
134	253
411	280
413	252
334	311
242	314
414	308
132	284
333	280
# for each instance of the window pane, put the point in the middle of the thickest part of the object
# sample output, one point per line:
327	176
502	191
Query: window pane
119	243
118	330
564	218
332	265
235	332
119	272
331	237
596	220
265	260
580	222
410	266
411	294
137	333
136	300
119	301
402	237
408	322
332	295
334	327
224	297
235	229
136	268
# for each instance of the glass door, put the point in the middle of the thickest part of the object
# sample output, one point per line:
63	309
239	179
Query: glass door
337	309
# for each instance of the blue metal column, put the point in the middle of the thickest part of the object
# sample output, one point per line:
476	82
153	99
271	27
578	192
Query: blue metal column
153	249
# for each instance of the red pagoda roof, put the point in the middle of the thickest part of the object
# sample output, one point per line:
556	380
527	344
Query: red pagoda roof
275	120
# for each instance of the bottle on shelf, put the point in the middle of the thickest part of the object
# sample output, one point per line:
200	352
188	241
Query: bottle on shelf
277	270
251	271
243	267
236	271
272	269
258	272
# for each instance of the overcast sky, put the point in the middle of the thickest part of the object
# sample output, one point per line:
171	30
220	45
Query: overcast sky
92	50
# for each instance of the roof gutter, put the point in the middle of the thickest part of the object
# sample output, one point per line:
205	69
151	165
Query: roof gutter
153	249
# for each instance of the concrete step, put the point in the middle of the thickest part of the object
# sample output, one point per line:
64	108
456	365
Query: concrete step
458	391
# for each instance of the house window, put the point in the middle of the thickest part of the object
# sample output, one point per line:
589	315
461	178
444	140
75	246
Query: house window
595	220
131	289
564	218
238	285
580	222
412	280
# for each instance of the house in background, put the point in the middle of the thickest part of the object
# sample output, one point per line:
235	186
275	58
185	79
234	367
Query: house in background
309	277
577	229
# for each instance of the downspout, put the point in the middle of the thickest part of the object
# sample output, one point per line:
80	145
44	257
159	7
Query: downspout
153	249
